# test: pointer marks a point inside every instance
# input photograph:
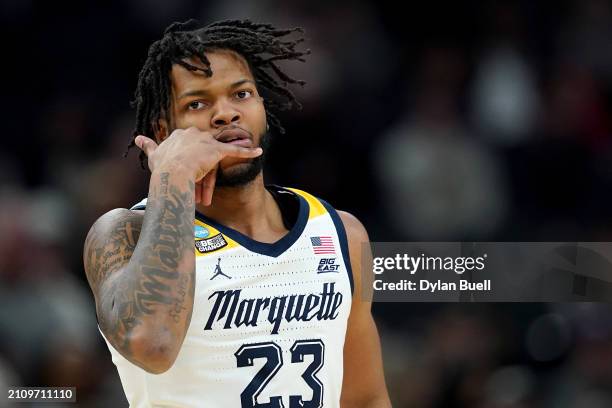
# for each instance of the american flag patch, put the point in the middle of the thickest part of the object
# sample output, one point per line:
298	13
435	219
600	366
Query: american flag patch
323	245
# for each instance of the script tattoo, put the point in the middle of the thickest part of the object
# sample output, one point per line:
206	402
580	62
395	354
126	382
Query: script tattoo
160	279
105	253
179	303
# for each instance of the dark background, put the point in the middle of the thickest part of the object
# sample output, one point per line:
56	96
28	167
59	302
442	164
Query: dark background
471	120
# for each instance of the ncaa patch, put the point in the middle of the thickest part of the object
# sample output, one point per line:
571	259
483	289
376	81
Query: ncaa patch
210	244
200	232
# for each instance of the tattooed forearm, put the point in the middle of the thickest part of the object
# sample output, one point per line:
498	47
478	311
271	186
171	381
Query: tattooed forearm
179	303
171	225
154	294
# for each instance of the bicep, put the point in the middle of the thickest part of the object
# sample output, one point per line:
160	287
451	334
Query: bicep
108	249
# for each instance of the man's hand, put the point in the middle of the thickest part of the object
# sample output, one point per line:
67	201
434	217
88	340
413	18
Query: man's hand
196	151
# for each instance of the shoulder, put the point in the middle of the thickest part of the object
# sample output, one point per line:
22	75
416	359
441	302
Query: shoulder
360	255
111	220
118	215
114	233
357	236
355	230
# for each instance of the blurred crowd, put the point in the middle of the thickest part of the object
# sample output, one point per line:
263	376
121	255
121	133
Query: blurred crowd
457	121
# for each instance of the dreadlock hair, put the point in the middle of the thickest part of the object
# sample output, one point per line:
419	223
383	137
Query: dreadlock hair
183	40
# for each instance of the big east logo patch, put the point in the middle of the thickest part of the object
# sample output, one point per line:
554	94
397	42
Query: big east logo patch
327	265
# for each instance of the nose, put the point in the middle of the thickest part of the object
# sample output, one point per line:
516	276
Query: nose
224	115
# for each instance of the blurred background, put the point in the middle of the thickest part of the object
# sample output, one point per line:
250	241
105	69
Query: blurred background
444	121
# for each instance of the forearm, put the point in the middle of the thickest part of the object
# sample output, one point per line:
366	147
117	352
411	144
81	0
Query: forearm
146	310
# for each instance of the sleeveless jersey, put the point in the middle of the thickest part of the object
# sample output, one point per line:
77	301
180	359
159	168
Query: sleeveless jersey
268	323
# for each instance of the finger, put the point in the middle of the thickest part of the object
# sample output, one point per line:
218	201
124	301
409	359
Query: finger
198	192
145	144
231	150
201	197
208	186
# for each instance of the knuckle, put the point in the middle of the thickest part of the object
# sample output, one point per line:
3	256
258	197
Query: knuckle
176	133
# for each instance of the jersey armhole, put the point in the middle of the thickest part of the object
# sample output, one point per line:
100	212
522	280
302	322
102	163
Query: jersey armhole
343	240
141	205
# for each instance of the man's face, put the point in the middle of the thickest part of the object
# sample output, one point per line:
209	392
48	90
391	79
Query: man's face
226	99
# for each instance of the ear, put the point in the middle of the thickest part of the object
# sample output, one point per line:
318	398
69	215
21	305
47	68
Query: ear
161	130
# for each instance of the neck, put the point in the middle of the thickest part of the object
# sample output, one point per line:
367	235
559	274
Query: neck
249	209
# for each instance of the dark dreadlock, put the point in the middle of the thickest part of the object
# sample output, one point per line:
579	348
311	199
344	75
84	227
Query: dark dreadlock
183	40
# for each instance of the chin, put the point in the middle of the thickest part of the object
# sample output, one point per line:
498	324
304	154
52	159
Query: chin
238	174
229	163
234	168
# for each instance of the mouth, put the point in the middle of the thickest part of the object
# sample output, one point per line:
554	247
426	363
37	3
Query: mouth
235	135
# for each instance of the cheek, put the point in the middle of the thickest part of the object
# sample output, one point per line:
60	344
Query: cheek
258	115
201	120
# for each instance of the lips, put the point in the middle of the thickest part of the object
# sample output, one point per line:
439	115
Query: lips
233	135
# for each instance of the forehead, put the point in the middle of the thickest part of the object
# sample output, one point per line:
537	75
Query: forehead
227	67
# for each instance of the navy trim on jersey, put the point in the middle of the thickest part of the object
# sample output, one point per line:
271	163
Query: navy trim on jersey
274	249
140	205
343	240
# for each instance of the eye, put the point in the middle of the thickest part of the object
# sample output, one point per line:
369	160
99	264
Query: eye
195	105
244	91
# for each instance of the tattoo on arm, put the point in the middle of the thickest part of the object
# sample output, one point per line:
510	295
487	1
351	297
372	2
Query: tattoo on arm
105	252
158	284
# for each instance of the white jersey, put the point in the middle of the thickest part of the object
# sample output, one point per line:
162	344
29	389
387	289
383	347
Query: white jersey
268	323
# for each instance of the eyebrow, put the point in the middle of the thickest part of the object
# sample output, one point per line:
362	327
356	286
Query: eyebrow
203	92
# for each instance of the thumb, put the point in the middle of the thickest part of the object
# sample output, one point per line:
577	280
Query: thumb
145	144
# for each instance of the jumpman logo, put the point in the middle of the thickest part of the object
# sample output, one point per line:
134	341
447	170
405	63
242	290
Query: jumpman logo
218	271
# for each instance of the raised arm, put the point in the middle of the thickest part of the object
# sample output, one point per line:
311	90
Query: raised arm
142	272
141	269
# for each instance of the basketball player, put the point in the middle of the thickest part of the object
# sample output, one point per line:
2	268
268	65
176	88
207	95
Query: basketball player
218	290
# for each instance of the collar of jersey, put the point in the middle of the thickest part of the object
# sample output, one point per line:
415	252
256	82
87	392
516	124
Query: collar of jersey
270	249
